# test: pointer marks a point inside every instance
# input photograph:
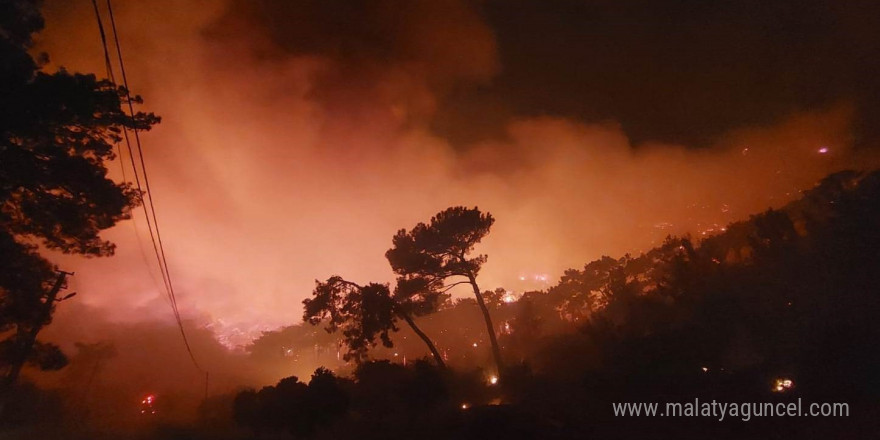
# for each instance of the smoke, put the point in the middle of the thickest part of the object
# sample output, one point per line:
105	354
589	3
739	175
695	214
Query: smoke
296	139
114	365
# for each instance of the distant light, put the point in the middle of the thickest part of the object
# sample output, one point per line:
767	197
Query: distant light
465	406
705	369
782	384
493	380
823	150
522	278
475	344
147	404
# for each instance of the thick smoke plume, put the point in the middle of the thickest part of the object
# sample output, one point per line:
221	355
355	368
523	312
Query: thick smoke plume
297	138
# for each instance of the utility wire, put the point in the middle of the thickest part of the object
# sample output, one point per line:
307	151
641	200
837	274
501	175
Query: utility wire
164	262
156	237
108	65
111	76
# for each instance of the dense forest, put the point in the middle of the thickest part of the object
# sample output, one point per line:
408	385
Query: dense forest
788	295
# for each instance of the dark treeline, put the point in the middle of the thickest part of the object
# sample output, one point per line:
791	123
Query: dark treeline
788	295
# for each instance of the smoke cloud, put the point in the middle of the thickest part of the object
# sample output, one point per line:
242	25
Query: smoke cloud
297	137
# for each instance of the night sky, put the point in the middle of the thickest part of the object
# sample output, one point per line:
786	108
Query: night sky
670	71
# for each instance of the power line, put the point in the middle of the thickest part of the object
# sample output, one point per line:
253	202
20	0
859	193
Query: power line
111	76
108	65
161	250
155	238
157	246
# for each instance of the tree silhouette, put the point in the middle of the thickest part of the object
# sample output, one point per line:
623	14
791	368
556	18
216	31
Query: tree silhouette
363	313
413	298
367	313
293	406
435	257
494	298
578	291
57	133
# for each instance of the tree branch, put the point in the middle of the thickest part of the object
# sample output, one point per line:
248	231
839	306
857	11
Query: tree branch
350	283
446	289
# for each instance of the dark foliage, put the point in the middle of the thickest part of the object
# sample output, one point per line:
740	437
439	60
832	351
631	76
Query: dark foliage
293	406
430	259
363	313
57	132
790	293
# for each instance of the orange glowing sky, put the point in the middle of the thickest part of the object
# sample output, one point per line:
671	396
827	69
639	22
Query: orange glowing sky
272	167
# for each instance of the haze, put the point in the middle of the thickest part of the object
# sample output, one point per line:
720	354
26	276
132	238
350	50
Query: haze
291	150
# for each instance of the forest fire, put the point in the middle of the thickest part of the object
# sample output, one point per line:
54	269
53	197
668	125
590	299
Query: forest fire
456	219
782	385
148	405
509	297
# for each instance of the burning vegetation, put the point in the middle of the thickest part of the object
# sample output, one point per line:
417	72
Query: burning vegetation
313	139
723	316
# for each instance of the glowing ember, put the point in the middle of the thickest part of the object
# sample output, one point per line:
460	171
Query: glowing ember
782	385
493	380
510	297
823	150
148	404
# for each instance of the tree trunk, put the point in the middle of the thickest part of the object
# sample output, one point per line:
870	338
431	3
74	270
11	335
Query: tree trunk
25	339
25	343
496	351
425	338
